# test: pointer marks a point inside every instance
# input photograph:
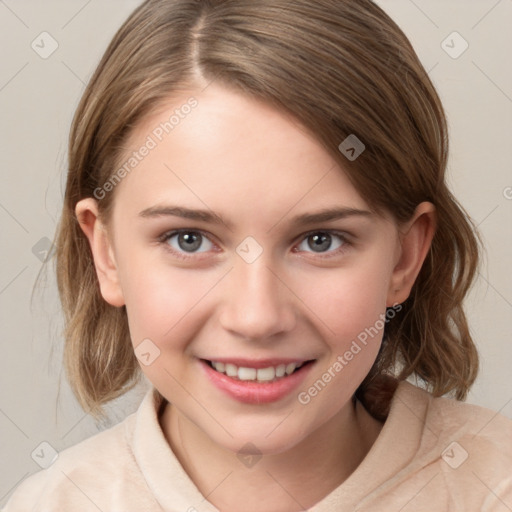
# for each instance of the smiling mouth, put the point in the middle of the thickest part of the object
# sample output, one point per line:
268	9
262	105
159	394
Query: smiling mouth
268	374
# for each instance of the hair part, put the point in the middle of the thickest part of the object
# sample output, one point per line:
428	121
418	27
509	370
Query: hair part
339	68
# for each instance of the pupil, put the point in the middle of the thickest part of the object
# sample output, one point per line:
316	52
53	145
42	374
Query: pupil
319	242
189	241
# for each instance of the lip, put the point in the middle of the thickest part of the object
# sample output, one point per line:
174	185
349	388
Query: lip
252	392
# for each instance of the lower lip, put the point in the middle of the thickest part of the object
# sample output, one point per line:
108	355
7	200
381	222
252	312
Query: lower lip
253	392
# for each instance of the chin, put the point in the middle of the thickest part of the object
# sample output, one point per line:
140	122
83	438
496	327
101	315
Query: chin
257	439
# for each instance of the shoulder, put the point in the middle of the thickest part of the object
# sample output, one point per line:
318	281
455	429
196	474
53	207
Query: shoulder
485	432
467	447
80	472
479	428
449	418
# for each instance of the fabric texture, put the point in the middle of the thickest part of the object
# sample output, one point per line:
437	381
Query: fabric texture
432	455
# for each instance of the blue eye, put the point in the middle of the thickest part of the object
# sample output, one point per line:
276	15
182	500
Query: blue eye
188	242
185	243
321	242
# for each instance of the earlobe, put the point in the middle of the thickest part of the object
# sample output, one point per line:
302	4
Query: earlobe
415	241
101	246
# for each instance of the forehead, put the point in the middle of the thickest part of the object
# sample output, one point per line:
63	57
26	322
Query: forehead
224	150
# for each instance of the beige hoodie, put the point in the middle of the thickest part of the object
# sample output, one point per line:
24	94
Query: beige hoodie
432	455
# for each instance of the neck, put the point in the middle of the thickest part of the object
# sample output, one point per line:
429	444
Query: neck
275	483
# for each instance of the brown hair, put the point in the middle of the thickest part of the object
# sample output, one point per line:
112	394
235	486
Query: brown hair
338	67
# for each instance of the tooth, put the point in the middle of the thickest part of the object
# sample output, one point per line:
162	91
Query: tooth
261	374
231	370
220	367
290	368
266	373
246	373
280	370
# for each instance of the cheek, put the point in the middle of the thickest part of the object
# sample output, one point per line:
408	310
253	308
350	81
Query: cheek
349	300
166	306
162	300
350	303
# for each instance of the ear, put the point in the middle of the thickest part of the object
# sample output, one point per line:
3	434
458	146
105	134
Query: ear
415	238
86	212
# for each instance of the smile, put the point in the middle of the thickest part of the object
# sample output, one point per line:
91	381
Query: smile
257	382
245	373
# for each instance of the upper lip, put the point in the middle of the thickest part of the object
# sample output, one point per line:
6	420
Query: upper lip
257	363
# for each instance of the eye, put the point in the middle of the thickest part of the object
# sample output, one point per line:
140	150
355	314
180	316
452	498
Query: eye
187	241
321	242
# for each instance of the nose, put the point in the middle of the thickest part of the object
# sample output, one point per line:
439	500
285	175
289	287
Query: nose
257	304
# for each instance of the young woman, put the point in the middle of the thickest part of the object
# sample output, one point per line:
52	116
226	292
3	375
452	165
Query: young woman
256	220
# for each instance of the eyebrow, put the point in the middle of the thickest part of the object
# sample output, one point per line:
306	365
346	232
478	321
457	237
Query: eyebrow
325	215
329	214
185	213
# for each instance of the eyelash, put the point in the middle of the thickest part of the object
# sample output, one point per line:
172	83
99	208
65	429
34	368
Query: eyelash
164	239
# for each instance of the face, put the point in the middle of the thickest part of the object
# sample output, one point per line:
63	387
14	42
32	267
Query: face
238	243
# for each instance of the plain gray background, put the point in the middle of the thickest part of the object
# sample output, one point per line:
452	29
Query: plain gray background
38	97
